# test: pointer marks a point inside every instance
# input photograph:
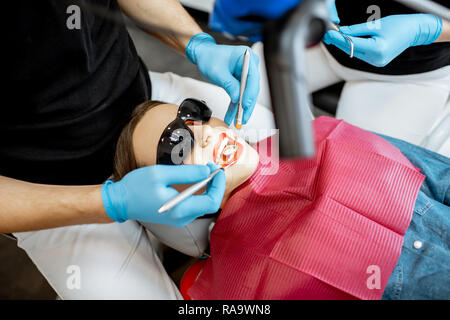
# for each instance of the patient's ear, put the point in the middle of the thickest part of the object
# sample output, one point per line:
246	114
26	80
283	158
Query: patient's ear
206	137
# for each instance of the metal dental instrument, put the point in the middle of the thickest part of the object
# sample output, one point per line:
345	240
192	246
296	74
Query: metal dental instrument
352	46
240	108
333	26
189	191
186	193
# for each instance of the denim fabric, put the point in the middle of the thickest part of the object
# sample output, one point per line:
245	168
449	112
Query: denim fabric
424	272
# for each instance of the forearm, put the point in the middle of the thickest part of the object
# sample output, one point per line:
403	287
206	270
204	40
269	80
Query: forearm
166	14
26	206
445	35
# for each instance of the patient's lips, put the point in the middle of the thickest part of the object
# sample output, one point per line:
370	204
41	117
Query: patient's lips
225	151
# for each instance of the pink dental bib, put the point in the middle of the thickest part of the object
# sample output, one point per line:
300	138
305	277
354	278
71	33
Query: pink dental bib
330	227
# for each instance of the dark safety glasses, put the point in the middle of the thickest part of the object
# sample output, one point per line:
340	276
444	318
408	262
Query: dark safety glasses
177	139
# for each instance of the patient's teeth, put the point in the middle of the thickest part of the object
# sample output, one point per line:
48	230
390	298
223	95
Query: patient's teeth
220	150
229	150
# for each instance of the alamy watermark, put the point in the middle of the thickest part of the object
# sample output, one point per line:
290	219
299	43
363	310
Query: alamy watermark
374	280
73	281
373	22
73	22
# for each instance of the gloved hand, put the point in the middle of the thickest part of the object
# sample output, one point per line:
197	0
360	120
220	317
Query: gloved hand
332	11
222	65
140	194
396	34
246	18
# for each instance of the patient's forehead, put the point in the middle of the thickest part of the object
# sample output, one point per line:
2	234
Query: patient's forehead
148	131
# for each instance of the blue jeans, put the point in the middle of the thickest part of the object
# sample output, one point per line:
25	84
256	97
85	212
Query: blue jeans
423	269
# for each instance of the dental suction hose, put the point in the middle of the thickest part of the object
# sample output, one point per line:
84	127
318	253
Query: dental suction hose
285	44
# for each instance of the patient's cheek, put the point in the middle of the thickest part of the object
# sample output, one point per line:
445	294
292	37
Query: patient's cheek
198	156
245	168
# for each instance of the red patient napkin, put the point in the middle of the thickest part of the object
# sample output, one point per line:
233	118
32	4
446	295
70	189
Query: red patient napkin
330	227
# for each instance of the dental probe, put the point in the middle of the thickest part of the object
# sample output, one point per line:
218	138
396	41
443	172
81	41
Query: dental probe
333	26
244	75
352	45
336	27
189	191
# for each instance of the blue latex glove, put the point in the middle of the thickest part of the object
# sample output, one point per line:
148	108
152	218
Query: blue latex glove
140	194
222	65
381	45
332	11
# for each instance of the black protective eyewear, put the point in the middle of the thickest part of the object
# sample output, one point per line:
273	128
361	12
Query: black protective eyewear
177	139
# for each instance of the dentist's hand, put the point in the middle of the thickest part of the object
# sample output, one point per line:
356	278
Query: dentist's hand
379	46
140	194
332	11
222	65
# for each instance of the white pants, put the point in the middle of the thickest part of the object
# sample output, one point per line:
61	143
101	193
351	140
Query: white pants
99	261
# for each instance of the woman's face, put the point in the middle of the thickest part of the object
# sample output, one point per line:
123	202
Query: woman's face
212	141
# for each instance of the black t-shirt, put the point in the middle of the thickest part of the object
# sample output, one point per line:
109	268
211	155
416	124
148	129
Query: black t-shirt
413	60
70	92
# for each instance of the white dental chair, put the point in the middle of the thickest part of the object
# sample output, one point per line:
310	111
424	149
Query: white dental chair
413	112
438	138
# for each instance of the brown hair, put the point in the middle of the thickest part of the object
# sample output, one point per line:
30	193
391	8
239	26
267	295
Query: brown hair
124	158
